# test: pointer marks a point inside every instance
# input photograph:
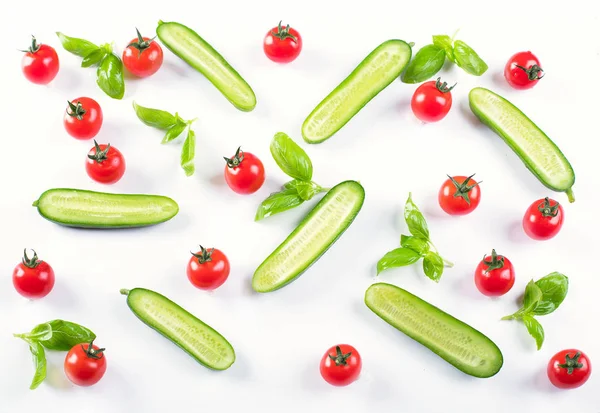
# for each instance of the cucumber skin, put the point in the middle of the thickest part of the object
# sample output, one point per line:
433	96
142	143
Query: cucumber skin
306	218
213	51
178	308
465	369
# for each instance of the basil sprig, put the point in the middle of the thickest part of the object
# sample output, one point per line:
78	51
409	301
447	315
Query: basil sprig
541	298
415	246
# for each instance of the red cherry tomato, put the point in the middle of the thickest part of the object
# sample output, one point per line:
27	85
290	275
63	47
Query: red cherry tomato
244	173
282	44
341	365
523	71
569	369
208	269
85	364
83	118
459	195
40	63
143	56
33	278
495	275
543	219
105	164
432	101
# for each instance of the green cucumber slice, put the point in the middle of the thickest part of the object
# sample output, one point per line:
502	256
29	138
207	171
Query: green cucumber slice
196	338
312	237
380	68
196	52
537	151
456	342
89	209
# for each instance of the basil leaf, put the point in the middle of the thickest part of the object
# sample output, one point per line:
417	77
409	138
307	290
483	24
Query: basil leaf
39	360
307	190
533	295
426	63
433	266
415	220
79	47
290	157
415	244
535	329
65	335
468	60
174	132
554	288
188	152
278	202
110	76
156	118
41	332
94	57
399	257
444	41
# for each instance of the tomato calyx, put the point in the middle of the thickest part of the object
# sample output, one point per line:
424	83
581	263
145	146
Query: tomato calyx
204	255
443	86
30	262
284	33
100	155
463	188
141	44
340	358
90	352
77	111
236	160
494	263
533	73
571	363
547	209
34	46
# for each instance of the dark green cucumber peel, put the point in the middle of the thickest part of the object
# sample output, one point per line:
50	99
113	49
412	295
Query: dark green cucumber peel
454	341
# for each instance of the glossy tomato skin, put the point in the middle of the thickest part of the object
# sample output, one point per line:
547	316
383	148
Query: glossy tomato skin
208	269
143	63
280	46
83	369
33	278
459	195
527	75
432	101
244	173
494	275
40	64
558	369
85	122
543	219
105	164
341	365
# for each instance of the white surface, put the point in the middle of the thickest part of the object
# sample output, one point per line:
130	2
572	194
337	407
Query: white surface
280	337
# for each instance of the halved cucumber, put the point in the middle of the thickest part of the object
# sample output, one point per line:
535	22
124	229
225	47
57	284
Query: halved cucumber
380	68
196	52
313	236
196	338
537	151
89	209
456	342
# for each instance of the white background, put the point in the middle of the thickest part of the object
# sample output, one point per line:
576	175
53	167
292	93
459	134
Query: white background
280	337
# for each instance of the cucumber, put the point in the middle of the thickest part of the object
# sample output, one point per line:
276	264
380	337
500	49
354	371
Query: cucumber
456	342
380	68
314	235
539	154
196	52
199	340
89	209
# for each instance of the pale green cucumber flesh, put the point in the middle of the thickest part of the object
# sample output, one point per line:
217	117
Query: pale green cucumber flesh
89	209
312	237
196	338
196	52
456	342
537	151
380	68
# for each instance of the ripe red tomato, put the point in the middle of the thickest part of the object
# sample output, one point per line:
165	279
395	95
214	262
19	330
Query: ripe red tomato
83	118
341	365
85	364
282	44
105	164
208	269
569	369
33	278
523	71
543	219
244	173
142	56
40	63
495	275
459	195
432	101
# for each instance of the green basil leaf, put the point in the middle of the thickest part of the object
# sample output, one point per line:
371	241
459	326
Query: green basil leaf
65	335
533	295
110	76
278	202
399	257
188	152
79	47
94	57
290	157
156	118
174	132
433	266
40	332
444	41
535	329
468	60
415	220
39	361
307	190
426	63
414	243
554	288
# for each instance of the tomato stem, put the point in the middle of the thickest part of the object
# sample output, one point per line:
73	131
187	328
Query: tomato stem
533	73
34	46
141	44
495	262
340	358
547	209
100	155
236	160
571	363
463	188
77	111
204	255
284	33
30	262
443	87
91	352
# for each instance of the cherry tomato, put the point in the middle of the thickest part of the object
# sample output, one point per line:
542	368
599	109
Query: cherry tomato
105	164
33	278
341	365
244	173
85	364
143	56
543	219
432	101
459	195
83	118
523	71
569	369
495	275
208	269
282	44
40	63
